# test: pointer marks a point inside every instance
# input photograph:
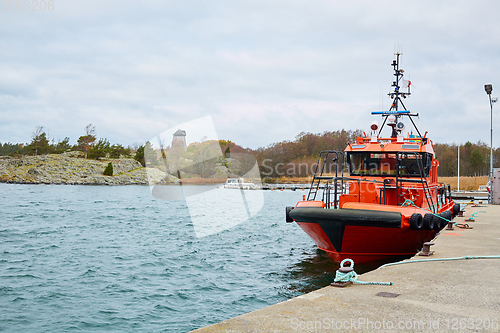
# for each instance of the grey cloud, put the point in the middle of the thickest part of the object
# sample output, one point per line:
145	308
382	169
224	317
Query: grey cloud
270	67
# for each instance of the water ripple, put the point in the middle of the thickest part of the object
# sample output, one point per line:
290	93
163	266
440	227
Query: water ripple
97	258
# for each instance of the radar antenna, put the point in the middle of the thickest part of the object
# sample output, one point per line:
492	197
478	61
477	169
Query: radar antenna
394	111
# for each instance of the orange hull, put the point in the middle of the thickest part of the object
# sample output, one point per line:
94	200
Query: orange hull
351	236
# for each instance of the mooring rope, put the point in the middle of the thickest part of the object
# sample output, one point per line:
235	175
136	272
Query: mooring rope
440	259
475	214
353	277
408	202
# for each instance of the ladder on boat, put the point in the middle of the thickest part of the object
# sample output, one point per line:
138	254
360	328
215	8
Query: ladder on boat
320	171
422	180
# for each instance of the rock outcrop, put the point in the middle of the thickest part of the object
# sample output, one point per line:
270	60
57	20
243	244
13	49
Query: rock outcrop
71	168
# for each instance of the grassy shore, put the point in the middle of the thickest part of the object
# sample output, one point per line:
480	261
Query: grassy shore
202	181
288	180
466	183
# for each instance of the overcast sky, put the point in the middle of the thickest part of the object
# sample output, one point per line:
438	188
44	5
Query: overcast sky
263	70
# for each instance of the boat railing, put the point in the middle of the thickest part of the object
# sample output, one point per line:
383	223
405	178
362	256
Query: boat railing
406	140
326	158
334	187
444	192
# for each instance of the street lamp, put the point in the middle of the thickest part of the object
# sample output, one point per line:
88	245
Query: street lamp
489	88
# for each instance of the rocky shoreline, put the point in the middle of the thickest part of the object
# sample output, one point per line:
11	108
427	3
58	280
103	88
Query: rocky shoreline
72	169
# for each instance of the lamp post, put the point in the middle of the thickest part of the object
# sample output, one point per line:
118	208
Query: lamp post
489	88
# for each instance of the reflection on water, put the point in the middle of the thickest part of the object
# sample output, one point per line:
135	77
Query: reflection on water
117	257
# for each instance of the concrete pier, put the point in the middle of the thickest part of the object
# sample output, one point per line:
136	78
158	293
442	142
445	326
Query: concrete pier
470	195
435	296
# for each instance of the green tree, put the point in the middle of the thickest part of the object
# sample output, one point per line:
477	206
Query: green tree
139	156
109	170
150	155
62	146
205	156
39	143
496	159
85	142
117	151
476	162
448	162
9	148
99	150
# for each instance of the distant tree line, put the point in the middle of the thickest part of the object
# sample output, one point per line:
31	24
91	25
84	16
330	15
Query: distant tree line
9	148
285	158
474	159
298	157
92	147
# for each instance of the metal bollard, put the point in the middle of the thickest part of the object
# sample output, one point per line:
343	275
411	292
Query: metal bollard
344	269
426	249
449	226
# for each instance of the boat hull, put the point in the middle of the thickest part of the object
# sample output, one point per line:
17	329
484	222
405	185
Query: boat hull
363	235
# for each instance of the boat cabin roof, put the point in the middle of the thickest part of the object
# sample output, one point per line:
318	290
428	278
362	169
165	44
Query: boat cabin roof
399	144
235	180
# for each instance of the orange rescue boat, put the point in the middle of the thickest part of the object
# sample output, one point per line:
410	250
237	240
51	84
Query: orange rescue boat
390	201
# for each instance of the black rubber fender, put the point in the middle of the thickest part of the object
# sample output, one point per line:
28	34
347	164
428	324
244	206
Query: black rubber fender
437	222
456	210
447	216
287	214
440	222
429	222
416	221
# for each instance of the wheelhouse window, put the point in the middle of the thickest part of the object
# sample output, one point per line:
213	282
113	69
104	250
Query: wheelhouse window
387	163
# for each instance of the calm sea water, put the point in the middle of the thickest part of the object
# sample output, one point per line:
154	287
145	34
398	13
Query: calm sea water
97	258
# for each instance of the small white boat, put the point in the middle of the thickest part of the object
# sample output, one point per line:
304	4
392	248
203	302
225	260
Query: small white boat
238	183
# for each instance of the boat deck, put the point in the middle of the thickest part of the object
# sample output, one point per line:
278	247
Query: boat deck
438	296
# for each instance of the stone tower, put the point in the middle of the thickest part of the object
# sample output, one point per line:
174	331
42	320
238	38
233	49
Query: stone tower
179	140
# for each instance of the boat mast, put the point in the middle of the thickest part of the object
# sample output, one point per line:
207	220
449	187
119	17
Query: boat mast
396	96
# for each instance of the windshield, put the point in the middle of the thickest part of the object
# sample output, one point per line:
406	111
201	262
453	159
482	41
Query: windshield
385	164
